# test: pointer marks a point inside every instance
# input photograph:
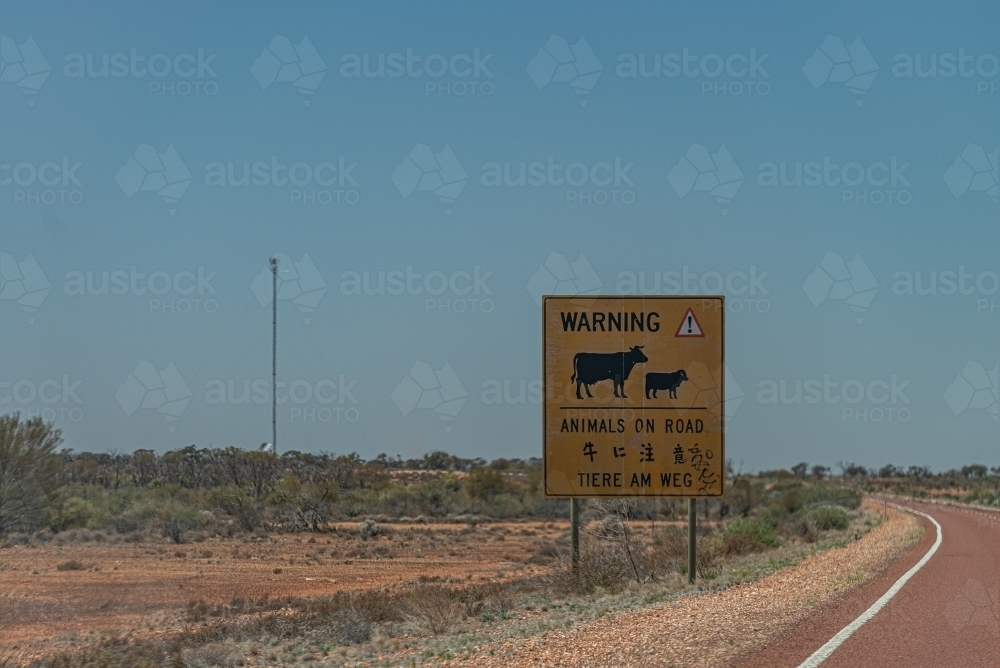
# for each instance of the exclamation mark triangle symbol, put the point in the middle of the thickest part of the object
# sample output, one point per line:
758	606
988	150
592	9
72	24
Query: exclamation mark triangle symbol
689	326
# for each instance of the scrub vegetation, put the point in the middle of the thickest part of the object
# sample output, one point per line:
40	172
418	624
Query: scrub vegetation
382	561
975	484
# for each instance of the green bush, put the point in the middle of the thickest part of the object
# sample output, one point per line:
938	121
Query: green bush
238	503
500	506
773	516
397	501
743	536
126	523
786	485
791	500
981	496
28	470
69	513
436	496
176	521
817	495
829	517
484	483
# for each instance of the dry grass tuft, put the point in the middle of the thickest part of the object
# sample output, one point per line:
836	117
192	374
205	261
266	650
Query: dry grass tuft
434	609
71	565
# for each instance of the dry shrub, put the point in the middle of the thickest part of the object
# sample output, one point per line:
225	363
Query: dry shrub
211	655
383	551
611	555
71	565
197	611
502	601
126	524
545	554
345	629
615	551
113	652
433	608
376	606
324	619
669	549
494	598
707	552
601	566
344	618
369	529
800	528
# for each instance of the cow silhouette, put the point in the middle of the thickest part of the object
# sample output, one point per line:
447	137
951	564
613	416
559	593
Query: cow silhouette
590	368
664	381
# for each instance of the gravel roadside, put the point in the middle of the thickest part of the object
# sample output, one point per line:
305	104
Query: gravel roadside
714	628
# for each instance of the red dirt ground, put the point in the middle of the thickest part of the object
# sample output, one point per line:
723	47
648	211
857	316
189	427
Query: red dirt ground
141	585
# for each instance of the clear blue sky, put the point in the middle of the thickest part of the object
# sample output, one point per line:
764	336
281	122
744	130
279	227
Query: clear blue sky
472	84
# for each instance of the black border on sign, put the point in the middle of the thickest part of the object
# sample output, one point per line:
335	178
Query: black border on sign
722	394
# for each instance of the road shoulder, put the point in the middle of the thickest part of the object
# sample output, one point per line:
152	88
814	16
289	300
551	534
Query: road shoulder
722	627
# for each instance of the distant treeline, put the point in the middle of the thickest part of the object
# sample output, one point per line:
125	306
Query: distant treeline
207	468
195	491
182	492
850	470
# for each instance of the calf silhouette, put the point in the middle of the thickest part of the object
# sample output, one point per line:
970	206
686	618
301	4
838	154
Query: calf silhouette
664	381
590	368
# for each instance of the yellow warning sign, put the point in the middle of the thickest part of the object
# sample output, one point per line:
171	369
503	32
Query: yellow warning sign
634	391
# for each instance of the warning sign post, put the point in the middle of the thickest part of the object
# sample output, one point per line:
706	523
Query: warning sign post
634	391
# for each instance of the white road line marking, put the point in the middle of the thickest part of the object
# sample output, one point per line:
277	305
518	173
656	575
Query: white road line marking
824	652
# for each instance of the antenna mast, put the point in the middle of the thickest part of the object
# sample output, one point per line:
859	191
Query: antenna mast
274	353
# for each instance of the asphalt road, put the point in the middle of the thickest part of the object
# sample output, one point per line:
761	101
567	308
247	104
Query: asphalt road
947	613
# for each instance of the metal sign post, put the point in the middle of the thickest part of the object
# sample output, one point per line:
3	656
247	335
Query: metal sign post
692	541
634	392
574	534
